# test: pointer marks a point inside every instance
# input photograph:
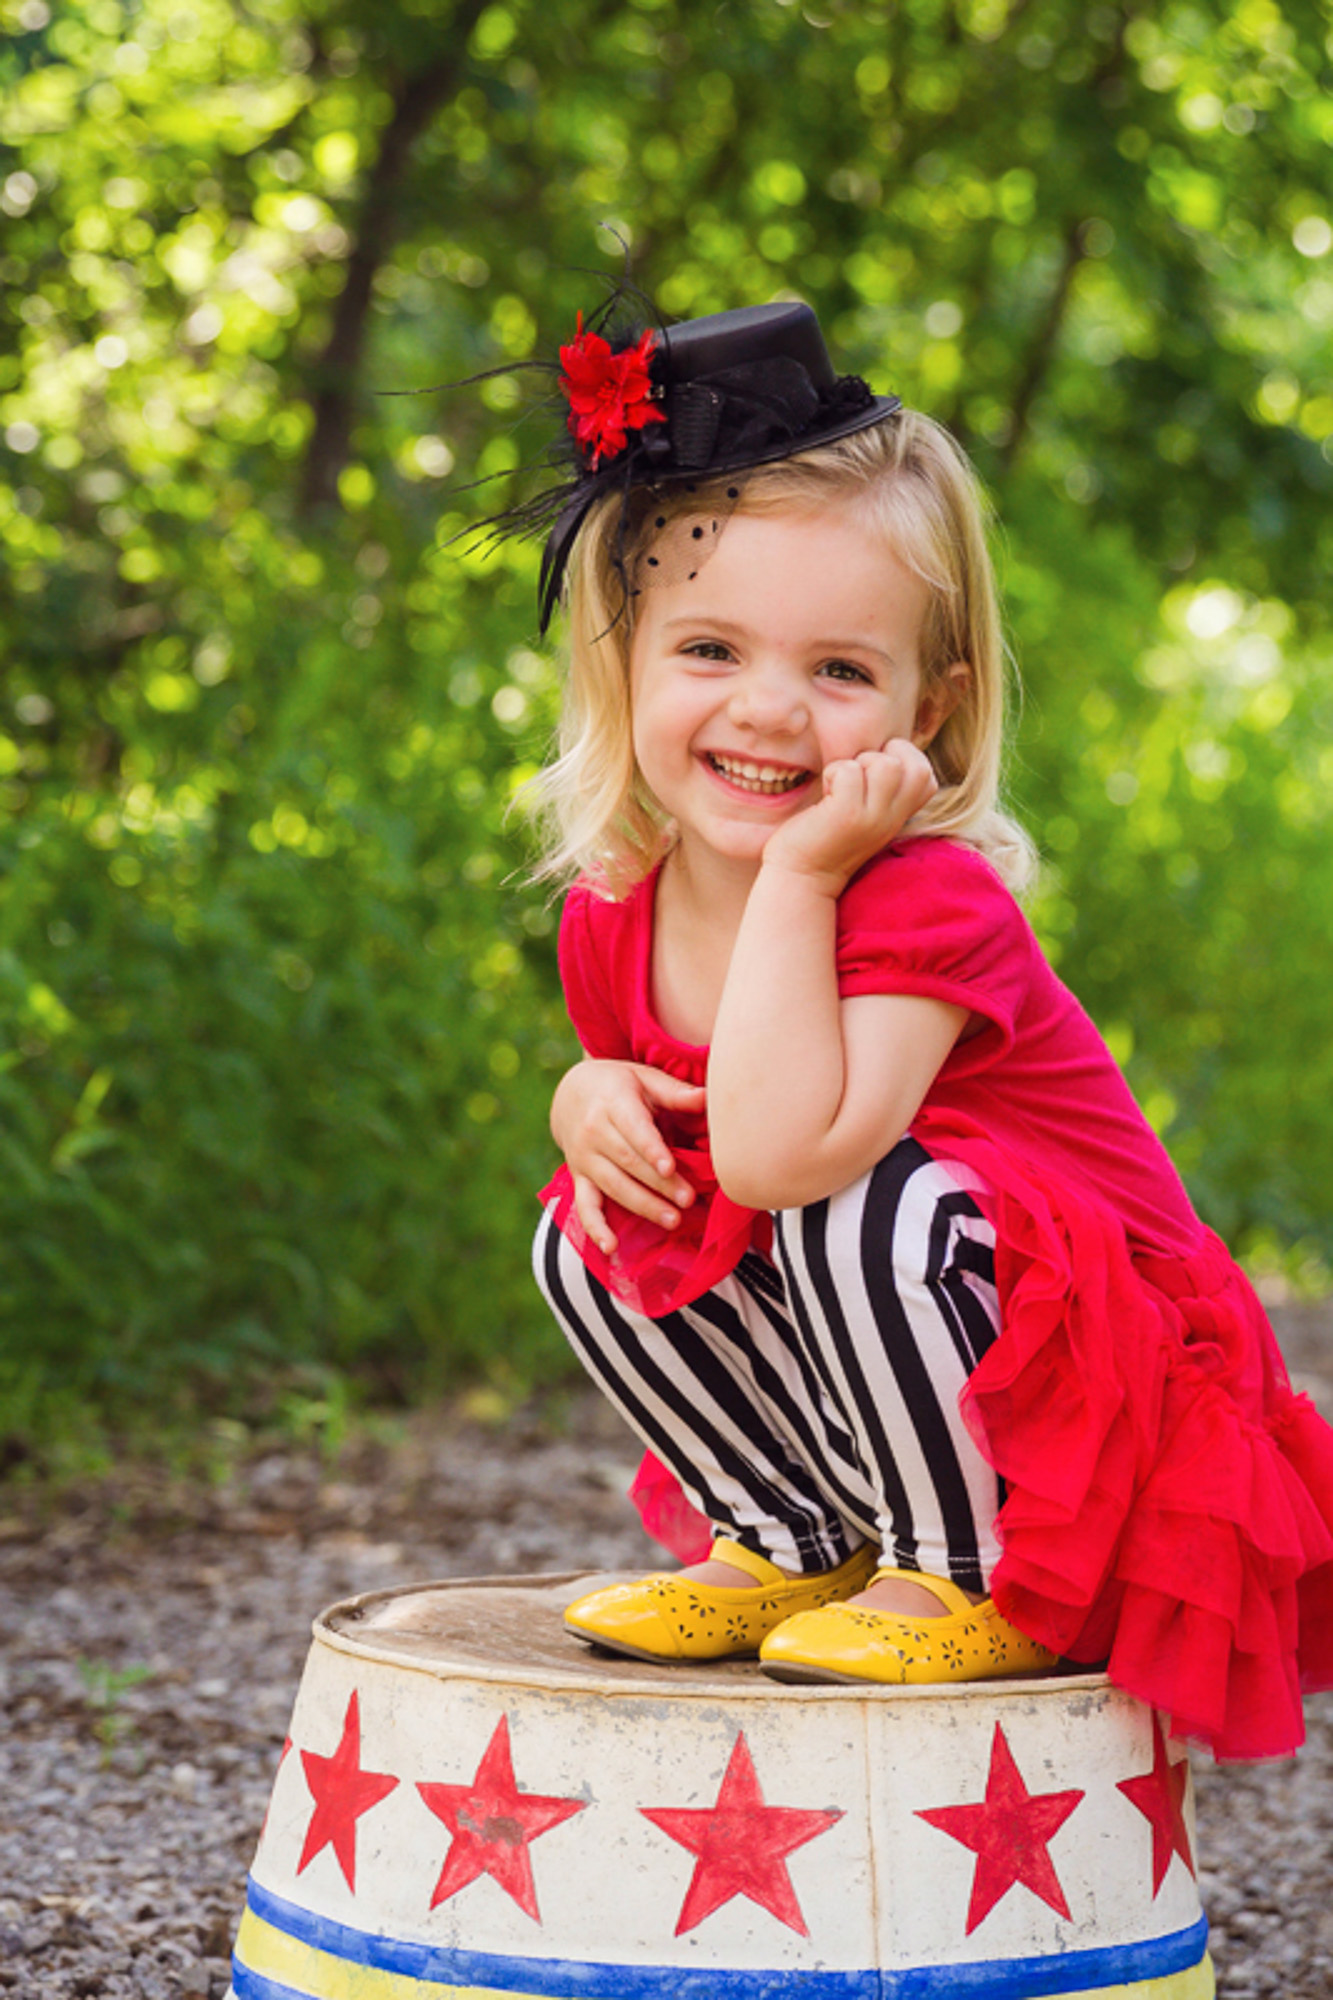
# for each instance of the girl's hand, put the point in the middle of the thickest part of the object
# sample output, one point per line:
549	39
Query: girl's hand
602	1120
867	802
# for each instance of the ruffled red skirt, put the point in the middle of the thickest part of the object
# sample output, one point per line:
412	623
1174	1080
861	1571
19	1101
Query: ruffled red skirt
1169	1502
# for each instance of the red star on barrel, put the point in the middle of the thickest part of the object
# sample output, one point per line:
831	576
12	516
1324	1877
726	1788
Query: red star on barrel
1009	1835
492	1823
741	1844
1160	1796
342	1791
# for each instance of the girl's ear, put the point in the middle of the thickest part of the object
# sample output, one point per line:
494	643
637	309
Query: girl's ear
939	701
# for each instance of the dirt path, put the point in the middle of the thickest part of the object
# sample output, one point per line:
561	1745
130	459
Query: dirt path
153	1636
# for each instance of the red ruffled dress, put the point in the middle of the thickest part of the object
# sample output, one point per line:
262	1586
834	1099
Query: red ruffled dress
1169	1498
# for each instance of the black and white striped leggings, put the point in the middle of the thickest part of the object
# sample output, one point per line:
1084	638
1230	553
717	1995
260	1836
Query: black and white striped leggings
811	1403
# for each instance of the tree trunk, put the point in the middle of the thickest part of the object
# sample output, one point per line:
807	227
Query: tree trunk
1042	351
335	373
1039	354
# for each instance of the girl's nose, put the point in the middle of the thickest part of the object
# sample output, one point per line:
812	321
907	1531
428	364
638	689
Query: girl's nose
769	699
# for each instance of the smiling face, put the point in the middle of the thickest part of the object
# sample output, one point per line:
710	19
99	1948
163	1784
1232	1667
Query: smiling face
797	644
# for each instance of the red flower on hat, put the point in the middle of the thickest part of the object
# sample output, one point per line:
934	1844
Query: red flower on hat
609	394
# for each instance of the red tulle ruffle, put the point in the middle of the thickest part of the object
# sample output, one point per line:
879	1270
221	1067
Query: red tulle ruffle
656	1271
1169	1499
667	1515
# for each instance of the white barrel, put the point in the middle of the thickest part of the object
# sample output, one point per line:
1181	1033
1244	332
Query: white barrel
470	1803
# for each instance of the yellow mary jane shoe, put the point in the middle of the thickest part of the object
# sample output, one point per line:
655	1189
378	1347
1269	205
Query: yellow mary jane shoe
672	1618
854	1642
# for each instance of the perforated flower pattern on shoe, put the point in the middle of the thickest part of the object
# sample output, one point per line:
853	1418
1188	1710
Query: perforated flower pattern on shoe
665	1617
857	1643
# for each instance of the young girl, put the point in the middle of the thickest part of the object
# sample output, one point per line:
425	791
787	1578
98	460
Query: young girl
860	1228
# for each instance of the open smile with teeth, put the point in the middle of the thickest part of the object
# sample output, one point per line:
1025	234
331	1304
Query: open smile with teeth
769	779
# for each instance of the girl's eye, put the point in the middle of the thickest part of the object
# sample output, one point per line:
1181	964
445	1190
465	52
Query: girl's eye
845	670
708	649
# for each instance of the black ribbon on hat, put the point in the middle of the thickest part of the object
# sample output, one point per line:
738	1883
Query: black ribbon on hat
737	412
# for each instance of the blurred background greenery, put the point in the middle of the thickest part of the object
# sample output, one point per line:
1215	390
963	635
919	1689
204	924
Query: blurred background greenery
277	1027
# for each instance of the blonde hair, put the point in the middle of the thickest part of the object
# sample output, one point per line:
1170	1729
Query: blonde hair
908	480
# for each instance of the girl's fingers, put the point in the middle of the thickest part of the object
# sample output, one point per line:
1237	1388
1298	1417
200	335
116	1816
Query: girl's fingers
887	785
588	1208
641	1154
843	778
606	1129
898	775
671	1092
634	1195
910	762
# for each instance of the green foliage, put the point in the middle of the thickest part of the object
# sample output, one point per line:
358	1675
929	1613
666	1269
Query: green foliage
277	1027
103	1686
1175	763
284	1031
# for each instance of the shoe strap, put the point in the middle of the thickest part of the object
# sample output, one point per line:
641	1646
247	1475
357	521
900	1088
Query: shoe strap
759	1567
941	1587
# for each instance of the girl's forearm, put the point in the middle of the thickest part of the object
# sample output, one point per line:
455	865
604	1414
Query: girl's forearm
777	1071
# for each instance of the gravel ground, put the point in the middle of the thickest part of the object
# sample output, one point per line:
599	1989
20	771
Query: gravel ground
154	1631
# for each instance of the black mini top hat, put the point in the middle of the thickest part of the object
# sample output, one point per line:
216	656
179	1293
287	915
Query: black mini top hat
695	402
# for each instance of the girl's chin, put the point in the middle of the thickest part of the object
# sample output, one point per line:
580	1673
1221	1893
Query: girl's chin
736	841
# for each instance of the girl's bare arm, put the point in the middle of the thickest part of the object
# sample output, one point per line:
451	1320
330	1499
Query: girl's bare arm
806	1090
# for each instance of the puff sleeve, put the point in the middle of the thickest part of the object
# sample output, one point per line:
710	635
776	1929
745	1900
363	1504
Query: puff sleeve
932	917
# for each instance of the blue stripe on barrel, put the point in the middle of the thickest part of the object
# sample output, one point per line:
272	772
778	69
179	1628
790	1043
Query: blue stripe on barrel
1068	1972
